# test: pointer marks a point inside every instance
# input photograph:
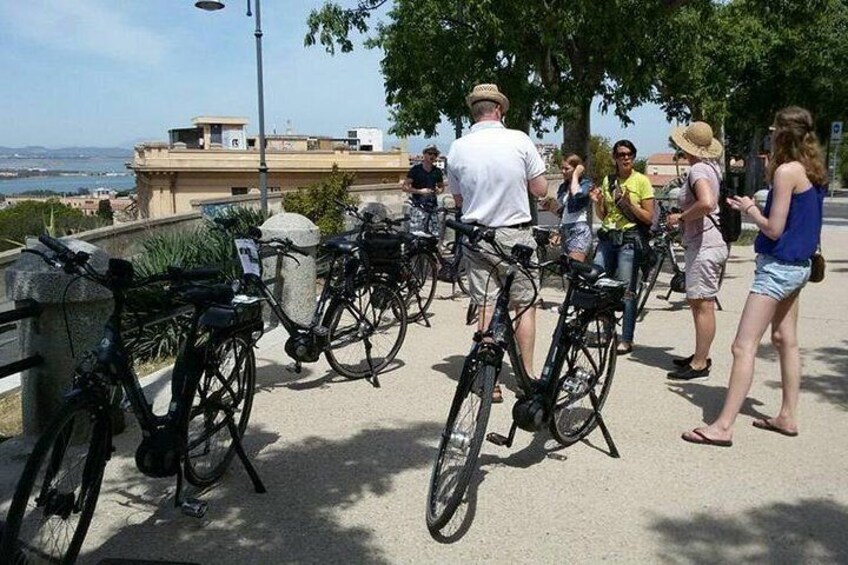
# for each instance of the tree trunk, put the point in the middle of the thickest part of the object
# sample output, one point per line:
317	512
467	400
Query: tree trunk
575	133
753	164
457	127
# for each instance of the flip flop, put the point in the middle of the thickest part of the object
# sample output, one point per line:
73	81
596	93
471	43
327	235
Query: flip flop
700	439
764	424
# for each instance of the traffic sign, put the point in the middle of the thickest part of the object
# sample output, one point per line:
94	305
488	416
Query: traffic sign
836	132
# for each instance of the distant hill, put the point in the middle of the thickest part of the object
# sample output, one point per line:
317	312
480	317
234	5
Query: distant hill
38	152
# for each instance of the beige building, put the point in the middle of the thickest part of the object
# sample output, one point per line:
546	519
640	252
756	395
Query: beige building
662	168
215	159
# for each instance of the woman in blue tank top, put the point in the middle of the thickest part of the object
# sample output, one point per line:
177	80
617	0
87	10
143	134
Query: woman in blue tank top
790	228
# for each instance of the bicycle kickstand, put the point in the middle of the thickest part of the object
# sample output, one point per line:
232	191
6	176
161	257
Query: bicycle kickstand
613	450
258	486
191	507
423	313
375	382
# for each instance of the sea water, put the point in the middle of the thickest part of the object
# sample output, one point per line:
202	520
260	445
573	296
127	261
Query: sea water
86	174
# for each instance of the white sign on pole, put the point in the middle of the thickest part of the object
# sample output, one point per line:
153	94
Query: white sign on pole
836	132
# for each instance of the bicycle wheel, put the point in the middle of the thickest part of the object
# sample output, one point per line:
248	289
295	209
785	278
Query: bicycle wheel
57	492
420	288
590	365
366	330
648	284
460	444
225	388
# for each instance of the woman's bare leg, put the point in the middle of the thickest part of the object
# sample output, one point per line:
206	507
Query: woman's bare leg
784	336
756	316
703	314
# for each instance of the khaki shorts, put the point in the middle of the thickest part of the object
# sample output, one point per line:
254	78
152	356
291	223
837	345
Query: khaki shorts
486	270
703	271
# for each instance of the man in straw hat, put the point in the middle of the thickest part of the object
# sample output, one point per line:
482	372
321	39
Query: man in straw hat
490	170
706	252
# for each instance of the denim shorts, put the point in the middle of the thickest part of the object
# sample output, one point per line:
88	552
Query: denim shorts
779	279
576	237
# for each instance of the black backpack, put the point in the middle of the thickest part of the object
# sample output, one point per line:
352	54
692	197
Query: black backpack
729	221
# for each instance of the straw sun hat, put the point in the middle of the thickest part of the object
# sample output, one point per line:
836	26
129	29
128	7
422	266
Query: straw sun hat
488	92
697	139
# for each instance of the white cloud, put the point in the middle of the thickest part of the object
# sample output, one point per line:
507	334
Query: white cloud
97	27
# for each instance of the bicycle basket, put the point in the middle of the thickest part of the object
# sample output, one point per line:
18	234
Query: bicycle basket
382	252
605	294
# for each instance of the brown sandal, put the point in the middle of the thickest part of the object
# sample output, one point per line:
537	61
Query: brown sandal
497	395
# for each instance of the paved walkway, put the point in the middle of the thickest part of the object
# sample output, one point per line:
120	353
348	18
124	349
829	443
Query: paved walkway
347	466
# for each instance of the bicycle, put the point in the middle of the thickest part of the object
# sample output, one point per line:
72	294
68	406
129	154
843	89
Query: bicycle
451	261
570	394
661	249
359	322
211	399
406	260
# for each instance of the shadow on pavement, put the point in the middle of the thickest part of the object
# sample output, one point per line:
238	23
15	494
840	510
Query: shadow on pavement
711	398
295	521
809	531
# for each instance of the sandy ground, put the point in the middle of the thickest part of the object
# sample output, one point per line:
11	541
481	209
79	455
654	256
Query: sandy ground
347	466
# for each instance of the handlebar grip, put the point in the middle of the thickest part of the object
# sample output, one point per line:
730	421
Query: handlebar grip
465	229
254	232
53	244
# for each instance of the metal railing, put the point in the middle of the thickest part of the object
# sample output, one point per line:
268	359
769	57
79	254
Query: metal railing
26	309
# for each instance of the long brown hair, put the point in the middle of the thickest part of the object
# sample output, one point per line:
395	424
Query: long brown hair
794	139
573	160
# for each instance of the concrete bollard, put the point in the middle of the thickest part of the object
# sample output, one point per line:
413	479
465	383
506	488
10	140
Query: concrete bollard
87	306
294	285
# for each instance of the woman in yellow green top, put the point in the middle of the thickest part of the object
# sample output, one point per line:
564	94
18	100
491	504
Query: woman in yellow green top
623	202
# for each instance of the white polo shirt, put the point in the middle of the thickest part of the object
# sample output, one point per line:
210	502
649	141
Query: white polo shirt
490	167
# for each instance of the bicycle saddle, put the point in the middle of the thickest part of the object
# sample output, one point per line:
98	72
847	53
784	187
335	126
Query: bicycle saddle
205	295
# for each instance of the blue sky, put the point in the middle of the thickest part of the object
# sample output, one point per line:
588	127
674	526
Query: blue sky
115	72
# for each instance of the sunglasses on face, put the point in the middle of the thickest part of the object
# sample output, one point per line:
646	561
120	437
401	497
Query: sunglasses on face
624	155
432	154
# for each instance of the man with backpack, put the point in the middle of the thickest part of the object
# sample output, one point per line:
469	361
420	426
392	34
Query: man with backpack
706	248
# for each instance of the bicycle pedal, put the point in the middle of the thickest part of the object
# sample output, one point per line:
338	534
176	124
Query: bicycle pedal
194	508
497	439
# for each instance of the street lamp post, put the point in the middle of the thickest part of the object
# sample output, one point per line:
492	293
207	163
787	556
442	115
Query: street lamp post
212	6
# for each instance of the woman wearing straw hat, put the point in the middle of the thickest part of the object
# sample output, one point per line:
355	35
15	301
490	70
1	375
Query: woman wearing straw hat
706	252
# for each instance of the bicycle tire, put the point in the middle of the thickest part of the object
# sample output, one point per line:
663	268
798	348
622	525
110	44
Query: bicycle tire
420	288
77	439
648	285
371	310
226	385
592	359
475	388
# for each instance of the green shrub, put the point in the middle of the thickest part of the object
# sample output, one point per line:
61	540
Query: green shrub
204	246
32	218
318	201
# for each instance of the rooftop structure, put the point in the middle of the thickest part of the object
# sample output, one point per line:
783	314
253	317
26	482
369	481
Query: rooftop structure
216	158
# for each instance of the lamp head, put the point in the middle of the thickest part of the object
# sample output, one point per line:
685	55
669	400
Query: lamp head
208	5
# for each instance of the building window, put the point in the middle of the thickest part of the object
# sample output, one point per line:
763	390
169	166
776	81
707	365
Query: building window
273	189
238	190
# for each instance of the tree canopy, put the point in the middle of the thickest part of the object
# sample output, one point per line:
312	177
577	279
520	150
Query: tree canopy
729	62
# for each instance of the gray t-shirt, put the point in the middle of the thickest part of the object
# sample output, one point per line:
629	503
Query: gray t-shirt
701	232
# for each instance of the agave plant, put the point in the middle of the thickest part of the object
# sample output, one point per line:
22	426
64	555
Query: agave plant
204	246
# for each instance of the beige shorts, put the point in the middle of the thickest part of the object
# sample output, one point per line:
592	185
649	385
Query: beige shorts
703	271
486	271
